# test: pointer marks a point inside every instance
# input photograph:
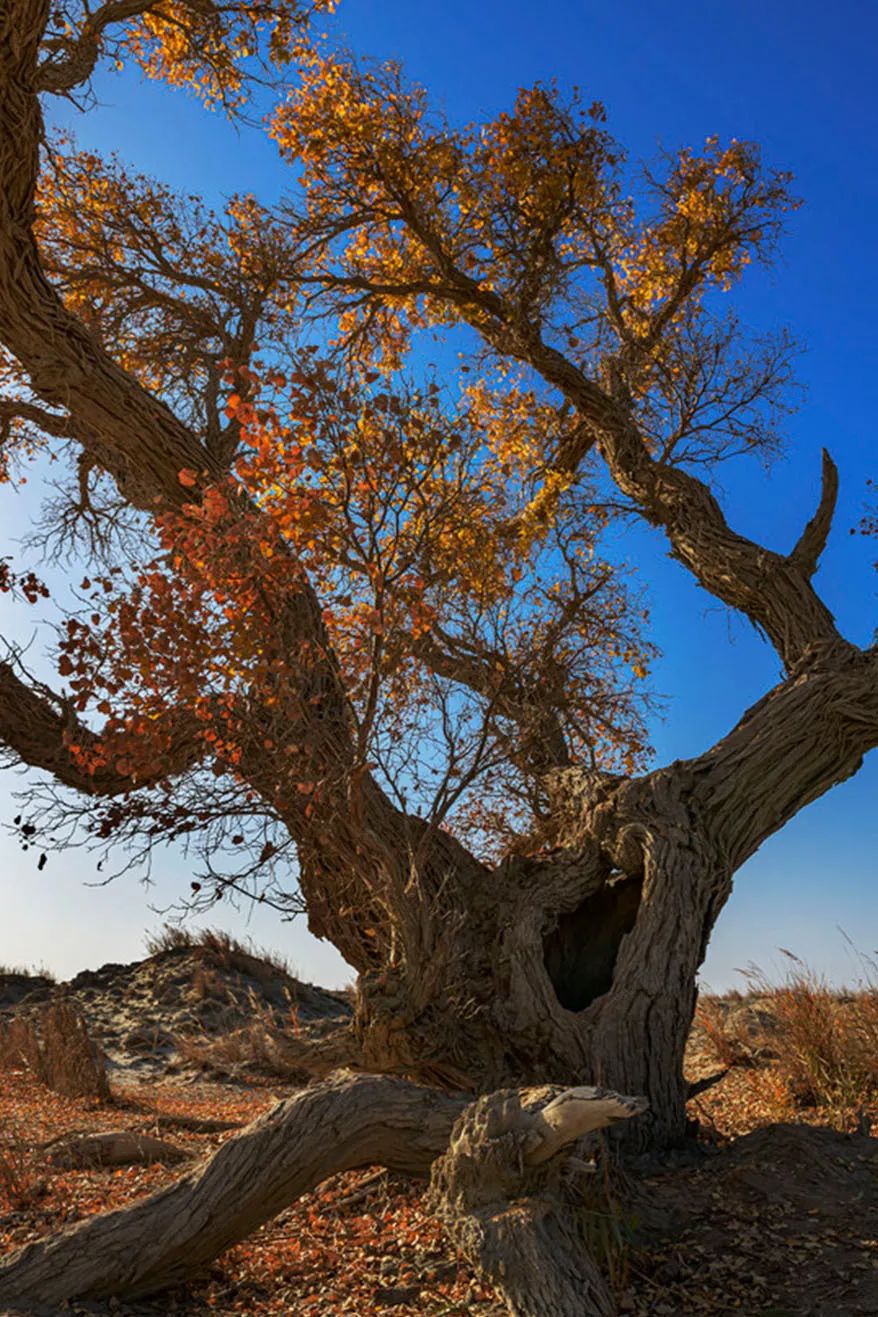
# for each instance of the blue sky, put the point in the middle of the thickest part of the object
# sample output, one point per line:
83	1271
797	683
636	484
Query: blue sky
669	75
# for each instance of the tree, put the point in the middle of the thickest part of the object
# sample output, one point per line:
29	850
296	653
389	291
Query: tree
372	627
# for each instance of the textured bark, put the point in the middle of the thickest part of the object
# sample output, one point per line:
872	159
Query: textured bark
66	367
498	1189
171	1236
40	729
357	847
582	965
344	1123
576	965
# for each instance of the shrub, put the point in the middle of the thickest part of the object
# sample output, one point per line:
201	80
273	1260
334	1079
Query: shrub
263	1044
826	1041
29	972
725	1040
273	1044
228	951
20	1184
171	937
54	1043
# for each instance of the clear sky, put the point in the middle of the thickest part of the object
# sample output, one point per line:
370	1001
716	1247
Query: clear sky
800	80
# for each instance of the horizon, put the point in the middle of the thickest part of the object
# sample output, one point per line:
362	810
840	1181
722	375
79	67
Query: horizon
801	91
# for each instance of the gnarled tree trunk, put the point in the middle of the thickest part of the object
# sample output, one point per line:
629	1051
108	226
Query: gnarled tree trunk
581	965
499	1191
171	1236
576	964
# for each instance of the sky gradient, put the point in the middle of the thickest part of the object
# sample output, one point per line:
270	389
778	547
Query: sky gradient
669	76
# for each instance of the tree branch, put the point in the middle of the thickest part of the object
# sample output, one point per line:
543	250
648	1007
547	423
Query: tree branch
544	744
165	1239
76	64
40	728
139	441
773	590
65	365
506	1155
812	541
802	738
16	409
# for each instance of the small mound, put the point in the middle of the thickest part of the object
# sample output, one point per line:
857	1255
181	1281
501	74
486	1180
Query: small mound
140	1013
18	987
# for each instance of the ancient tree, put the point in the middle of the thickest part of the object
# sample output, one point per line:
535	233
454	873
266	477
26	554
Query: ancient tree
350	618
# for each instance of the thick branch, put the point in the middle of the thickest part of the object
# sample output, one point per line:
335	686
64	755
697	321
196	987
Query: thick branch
795	744
505	1145
40	732
170	1237
65	365
352	841
774	591
802	738
498	1189
15	409
544	745
75	63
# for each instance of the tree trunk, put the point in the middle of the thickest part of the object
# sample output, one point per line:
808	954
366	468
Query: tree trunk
580	966
577	969
513	1145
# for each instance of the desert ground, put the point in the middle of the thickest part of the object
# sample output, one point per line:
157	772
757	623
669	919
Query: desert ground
771	1210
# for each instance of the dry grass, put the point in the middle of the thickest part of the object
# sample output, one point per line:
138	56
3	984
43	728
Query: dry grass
20	1185
171	937
822	1042
726	1042
55	1045
207	985
826	1041
264	1045
228	951
28	972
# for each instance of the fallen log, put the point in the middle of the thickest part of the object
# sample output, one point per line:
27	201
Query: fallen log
499	1166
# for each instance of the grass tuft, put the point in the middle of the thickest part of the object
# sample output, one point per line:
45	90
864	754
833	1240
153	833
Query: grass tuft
228	951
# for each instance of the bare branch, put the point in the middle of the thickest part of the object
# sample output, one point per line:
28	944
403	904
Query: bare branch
487	674
16	409
812	541
74	64
303	736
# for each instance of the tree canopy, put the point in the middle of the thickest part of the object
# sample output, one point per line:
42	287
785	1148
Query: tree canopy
366	621
446	533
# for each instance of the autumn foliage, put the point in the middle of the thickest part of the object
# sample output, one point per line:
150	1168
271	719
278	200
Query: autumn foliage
448	535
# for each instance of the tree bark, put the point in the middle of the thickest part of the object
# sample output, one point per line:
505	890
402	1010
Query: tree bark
356	847
499	1191
170	1237
511	1145
578	964
581	965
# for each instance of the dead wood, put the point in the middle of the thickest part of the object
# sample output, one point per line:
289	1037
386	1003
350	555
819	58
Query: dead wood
495	1187
111	1148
